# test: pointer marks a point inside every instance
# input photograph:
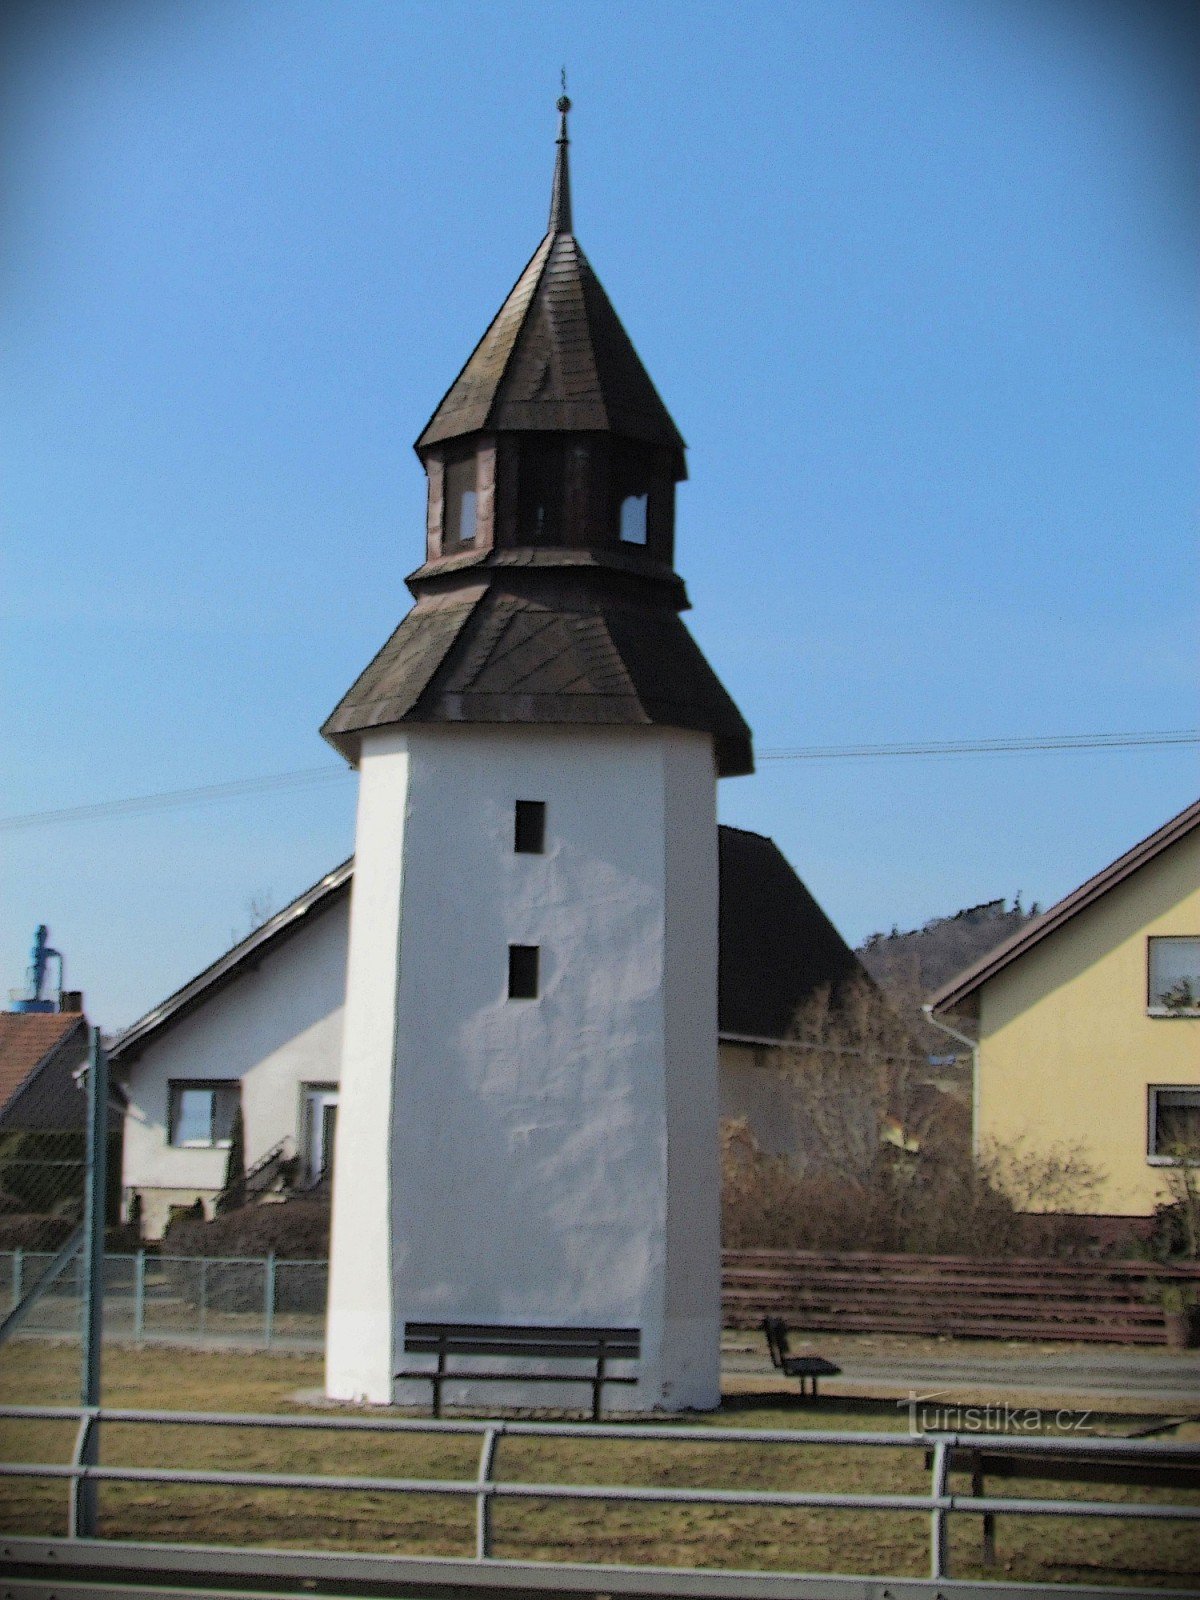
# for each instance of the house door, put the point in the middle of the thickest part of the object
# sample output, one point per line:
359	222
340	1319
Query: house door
320	1119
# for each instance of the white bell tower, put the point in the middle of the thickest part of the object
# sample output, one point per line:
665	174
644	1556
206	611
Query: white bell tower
527	1132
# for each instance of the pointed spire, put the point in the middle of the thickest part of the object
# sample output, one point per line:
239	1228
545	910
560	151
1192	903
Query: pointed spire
560	194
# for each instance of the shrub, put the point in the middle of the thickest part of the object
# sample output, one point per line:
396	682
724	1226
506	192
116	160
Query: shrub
295	1230
27	1231
938	1202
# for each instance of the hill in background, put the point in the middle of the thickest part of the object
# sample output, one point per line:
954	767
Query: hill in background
911	965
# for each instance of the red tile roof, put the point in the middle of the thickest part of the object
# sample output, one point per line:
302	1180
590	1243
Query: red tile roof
26	1039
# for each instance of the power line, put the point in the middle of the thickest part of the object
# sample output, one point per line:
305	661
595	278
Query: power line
175	799
985	747
313	777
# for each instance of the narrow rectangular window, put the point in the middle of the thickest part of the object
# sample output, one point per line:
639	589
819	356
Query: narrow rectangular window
458	504
1174	1124
1174	976
530	828
540	491
522	972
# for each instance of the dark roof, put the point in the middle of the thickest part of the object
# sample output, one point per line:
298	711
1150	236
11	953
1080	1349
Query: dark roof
555	358
30	1044
965	985
560	654
776	946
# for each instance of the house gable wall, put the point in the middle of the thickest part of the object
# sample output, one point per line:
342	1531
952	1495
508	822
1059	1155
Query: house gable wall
1067	1050
275	1028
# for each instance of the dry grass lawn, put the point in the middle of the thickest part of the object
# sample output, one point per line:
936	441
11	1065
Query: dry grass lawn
884	1543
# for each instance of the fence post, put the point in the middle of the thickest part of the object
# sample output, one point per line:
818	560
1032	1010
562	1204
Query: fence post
18	1274
93	1276
268	1298
939	1553
203	1293
81	1512
483	1498
139	1294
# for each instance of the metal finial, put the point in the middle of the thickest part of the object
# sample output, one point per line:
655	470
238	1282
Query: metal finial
560	194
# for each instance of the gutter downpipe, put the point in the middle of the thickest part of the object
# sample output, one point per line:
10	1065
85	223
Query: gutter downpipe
973	1046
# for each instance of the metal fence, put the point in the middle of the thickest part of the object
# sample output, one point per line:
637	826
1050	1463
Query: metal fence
178	1299
83	1476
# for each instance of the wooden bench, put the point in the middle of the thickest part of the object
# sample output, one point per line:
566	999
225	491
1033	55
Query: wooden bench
992	1460
807	1368
596	1346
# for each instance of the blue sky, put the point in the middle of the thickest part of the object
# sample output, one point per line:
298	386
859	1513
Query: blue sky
915	281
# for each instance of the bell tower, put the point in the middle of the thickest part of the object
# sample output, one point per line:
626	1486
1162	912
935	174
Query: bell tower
528	1121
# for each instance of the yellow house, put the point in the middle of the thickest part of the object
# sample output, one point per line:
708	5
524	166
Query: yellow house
1089	1022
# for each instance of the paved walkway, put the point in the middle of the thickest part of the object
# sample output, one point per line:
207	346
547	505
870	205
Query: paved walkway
1153	1380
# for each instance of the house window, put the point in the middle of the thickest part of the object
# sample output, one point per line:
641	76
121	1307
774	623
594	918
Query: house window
522	971
200	1115
1174	977
459	503
1174	1123
530	828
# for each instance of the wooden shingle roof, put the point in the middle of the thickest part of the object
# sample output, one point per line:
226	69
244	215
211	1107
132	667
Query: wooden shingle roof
556	357
551	655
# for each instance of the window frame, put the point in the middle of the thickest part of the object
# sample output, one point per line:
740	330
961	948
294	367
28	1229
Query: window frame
1153	1090
177	1087
1158	1010
453	460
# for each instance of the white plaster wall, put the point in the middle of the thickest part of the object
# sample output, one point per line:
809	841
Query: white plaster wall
274	1028
529	1163
360	1323
691	1361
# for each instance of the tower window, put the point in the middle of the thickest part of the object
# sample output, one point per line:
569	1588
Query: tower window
633	518
459	503
529	833
540	491
522	971
631	492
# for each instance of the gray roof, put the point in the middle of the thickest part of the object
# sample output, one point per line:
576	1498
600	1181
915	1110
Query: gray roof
776	947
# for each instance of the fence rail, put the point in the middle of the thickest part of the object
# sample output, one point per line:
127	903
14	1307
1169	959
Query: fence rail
84	1475
264	1301
1090	1301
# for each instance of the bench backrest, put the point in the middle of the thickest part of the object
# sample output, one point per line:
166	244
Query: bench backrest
775	1329
508	1339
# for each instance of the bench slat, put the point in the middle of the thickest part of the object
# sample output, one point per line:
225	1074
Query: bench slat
513	1330
461	1375
532	1352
